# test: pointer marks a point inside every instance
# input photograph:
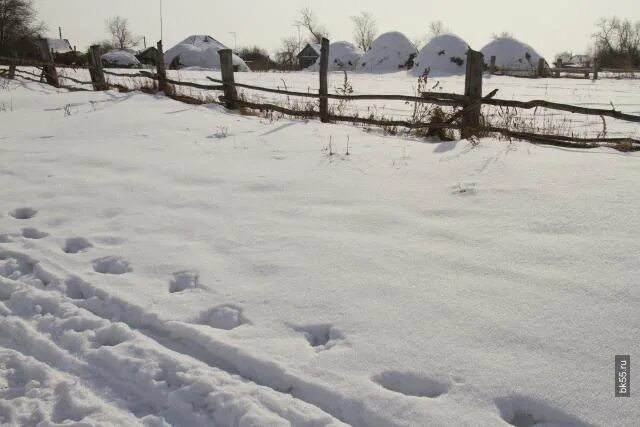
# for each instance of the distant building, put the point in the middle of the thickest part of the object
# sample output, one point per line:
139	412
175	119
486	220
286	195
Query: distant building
148	56
309	55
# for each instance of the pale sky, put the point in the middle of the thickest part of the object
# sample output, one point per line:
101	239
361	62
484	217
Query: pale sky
550	26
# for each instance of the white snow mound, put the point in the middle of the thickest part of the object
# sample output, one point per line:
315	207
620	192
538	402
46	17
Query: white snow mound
390	52
120	58
343	56
510	53
444	55
200	51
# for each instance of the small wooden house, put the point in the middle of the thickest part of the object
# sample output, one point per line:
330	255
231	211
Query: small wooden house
309	55
148	56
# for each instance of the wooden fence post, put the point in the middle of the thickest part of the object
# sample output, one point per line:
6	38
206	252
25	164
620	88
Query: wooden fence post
473	91
324	83
95	68
161	68
541	72
228	81
49	68
492	65
12	70
596	68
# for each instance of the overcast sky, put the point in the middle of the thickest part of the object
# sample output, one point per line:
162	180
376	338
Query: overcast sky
550	26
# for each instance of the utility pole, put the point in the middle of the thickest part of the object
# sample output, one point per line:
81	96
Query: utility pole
235	40
60	32
299	38
144	40
161	25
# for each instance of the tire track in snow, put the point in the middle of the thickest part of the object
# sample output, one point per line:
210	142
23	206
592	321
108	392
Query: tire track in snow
35	307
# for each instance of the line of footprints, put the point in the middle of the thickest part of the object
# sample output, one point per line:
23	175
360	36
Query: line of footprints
321	337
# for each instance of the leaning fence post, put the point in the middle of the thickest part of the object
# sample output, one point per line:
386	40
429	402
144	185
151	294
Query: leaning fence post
540	72
596	68
324	83
473	92
228	81
161	69
492	65
49	67
95	68
12	70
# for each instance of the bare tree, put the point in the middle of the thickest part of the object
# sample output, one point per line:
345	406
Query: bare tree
308	20
121	33
17	21
436	28
286	55
617	42
365	30
502	35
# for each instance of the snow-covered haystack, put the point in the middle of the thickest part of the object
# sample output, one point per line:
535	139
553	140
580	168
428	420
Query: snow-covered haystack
390	52
201	52
120	58
343	56
510	53
444	55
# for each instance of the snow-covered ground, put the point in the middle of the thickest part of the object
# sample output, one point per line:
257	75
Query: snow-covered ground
165	264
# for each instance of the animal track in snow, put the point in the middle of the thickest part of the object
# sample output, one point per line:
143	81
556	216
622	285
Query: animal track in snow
76	244
321	336
522	411
184	280
112	335
411	384
225	317
111	265
23	213
32	233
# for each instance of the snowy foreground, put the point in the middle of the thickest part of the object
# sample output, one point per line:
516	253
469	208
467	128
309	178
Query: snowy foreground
164	264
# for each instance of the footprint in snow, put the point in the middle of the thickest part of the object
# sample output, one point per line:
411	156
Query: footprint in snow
184	280
23	213
411	384
522	411
76	244
225	317
111	265
32	233
321	336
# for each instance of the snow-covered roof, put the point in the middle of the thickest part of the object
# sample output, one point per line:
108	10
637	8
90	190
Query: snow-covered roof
443	55
59	45
390	52
121	58
343	56
200	51
511	53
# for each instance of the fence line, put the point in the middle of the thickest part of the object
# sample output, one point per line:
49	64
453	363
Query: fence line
469	116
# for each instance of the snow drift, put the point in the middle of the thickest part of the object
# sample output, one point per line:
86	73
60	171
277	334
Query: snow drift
343	56
120	58
444	55
390	52
510	53
201	52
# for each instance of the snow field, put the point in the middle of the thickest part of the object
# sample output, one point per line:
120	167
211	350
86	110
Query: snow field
190	275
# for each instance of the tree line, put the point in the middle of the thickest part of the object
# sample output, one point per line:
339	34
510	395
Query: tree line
615	41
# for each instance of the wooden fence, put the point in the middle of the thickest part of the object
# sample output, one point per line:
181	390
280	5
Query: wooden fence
544	70
467	119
